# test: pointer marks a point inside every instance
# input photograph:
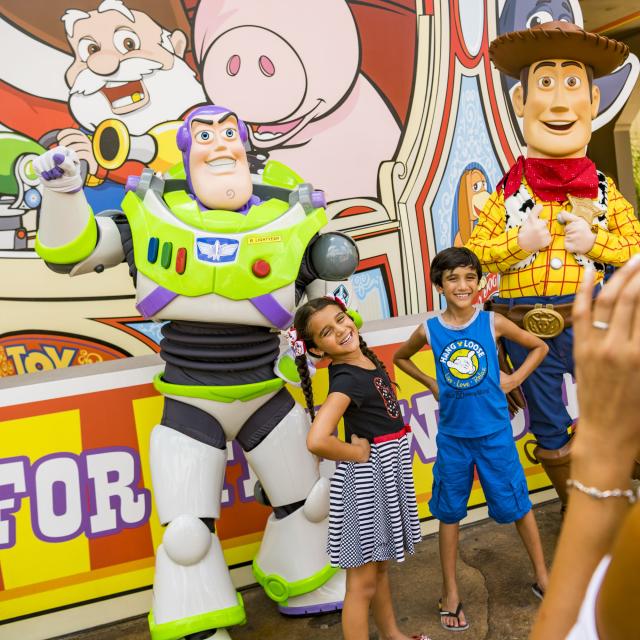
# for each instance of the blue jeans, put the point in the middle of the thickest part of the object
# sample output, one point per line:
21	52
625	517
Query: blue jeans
548	416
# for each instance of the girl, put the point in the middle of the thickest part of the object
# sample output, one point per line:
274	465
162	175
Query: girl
373	516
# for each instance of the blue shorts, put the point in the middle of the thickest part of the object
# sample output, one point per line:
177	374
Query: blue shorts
499	469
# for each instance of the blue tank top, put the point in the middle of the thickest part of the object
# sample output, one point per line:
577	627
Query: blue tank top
472	404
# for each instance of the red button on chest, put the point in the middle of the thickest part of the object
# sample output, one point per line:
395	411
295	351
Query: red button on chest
181	260
261	268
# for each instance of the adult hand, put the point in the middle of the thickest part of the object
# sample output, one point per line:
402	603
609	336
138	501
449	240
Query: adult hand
363	447
578	237
534	234
607	357
59	170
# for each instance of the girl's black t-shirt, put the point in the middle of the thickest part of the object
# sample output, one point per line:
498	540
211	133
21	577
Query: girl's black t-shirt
374	409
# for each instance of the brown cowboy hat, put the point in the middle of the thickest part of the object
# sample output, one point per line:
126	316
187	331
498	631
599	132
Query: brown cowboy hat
516	50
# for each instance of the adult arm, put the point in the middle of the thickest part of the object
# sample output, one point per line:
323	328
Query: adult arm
402	359
608	378
70	238
618	599
538	349
322	440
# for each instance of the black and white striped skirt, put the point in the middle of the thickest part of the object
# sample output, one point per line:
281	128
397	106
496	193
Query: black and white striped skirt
374	515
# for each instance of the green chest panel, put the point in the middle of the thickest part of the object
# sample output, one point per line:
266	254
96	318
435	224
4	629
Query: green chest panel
227	254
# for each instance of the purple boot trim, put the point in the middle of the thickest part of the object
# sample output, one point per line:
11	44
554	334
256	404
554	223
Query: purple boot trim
158	299
273	311
310	609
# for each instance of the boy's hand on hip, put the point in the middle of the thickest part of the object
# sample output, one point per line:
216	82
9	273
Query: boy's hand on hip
508	382
363	447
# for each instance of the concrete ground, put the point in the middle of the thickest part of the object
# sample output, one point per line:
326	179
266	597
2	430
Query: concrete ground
494	576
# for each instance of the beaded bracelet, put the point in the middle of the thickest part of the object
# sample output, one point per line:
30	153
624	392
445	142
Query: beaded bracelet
631	495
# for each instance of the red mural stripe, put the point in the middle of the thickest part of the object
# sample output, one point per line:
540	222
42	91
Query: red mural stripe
44	407
114	427
356	210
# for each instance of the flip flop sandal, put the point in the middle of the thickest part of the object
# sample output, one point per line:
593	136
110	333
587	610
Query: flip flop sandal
453	614
537	590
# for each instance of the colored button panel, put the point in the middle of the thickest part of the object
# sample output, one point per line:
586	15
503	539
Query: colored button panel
181	260
152	250
167	250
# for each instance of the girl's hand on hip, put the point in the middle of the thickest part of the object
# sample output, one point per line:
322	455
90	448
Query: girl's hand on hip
363	447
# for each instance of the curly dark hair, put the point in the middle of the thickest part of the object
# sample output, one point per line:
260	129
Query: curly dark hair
301	324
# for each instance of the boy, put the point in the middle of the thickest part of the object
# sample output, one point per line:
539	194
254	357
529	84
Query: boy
474	427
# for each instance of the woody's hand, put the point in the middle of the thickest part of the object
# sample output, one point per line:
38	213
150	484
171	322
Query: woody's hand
534	234
578	237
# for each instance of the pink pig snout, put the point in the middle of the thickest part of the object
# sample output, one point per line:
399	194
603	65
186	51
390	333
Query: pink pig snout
256	72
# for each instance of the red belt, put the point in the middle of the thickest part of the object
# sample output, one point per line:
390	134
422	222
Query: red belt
396	435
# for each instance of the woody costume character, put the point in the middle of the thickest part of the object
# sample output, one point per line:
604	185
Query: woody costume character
553	214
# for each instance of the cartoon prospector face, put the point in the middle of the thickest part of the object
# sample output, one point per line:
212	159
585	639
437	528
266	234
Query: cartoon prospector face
126	66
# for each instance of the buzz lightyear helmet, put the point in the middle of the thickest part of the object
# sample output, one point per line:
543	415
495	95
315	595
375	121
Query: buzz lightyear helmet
206	113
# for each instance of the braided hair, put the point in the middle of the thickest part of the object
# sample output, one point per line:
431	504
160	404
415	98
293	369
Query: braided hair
301	324
374	358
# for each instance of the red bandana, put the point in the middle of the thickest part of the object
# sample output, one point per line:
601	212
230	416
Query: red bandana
552	179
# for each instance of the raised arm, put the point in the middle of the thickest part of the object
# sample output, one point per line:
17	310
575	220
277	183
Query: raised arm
322	439
607	355
70	238
402	360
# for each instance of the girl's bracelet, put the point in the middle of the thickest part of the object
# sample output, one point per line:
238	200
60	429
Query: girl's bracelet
631	495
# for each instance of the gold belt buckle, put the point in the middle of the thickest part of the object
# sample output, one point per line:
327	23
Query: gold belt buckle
543	321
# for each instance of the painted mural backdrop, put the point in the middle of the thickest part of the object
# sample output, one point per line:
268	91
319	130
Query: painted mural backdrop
390	106
401	120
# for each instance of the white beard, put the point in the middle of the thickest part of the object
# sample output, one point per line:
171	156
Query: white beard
171	93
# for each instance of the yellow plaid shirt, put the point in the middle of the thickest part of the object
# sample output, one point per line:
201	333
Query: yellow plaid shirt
498	249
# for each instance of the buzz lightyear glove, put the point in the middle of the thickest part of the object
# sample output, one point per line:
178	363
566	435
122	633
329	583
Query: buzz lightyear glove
285	367
59	170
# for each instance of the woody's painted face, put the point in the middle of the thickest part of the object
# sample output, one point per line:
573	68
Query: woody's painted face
558	110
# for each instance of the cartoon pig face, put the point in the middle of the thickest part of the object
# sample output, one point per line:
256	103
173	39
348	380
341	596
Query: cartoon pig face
280	62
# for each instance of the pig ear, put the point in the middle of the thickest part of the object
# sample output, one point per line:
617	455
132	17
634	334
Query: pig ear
179	42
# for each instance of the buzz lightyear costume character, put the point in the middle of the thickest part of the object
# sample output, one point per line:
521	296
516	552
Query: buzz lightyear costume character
225	261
